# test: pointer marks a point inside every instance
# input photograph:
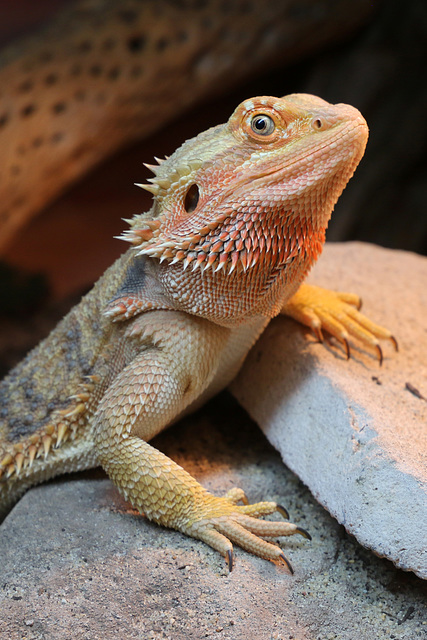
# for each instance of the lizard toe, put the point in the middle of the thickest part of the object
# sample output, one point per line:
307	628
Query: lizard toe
338	314
242	526
236	495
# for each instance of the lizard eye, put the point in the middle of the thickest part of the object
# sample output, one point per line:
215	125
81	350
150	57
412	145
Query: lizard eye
262	124
191	198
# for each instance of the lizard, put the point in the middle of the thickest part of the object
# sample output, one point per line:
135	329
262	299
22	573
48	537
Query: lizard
238	218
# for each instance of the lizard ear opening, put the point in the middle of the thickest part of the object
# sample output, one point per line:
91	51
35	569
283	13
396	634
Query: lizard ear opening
191	198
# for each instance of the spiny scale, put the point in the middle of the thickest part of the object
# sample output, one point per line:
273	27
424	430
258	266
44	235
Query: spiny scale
246	242
152	188
22	455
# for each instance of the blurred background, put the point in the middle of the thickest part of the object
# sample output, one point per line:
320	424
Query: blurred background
90	90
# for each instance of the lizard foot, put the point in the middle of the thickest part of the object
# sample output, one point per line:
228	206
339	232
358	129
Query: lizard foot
225	522
339	315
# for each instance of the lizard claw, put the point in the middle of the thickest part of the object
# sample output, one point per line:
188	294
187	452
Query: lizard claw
380	353
230	560
339	315
304	533
347	348
287	563
225	523
283	512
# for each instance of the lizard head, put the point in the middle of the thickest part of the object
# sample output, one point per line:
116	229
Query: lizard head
253	197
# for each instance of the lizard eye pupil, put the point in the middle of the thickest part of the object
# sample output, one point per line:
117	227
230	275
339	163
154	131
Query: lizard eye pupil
191	198
262	124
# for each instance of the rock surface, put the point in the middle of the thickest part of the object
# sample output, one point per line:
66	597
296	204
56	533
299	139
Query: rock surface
77	564
354	432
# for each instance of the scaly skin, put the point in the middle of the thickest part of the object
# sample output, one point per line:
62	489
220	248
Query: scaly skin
238	218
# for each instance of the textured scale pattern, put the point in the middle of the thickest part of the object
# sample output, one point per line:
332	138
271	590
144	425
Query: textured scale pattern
238	218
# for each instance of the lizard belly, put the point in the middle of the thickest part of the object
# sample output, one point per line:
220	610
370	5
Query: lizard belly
177	361
234	352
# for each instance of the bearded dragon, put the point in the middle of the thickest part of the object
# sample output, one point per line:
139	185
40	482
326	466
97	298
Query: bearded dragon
238	218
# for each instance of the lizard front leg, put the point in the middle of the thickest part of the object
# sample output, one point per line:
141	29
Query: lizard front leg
166	375
337	313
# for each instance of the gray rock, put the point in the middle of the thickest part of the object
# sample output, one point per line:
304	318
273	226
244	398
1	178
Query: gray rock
354	432
76	563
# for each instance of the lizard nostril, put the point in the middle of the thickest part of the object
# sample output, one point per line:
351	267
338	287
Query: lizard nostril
191	198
